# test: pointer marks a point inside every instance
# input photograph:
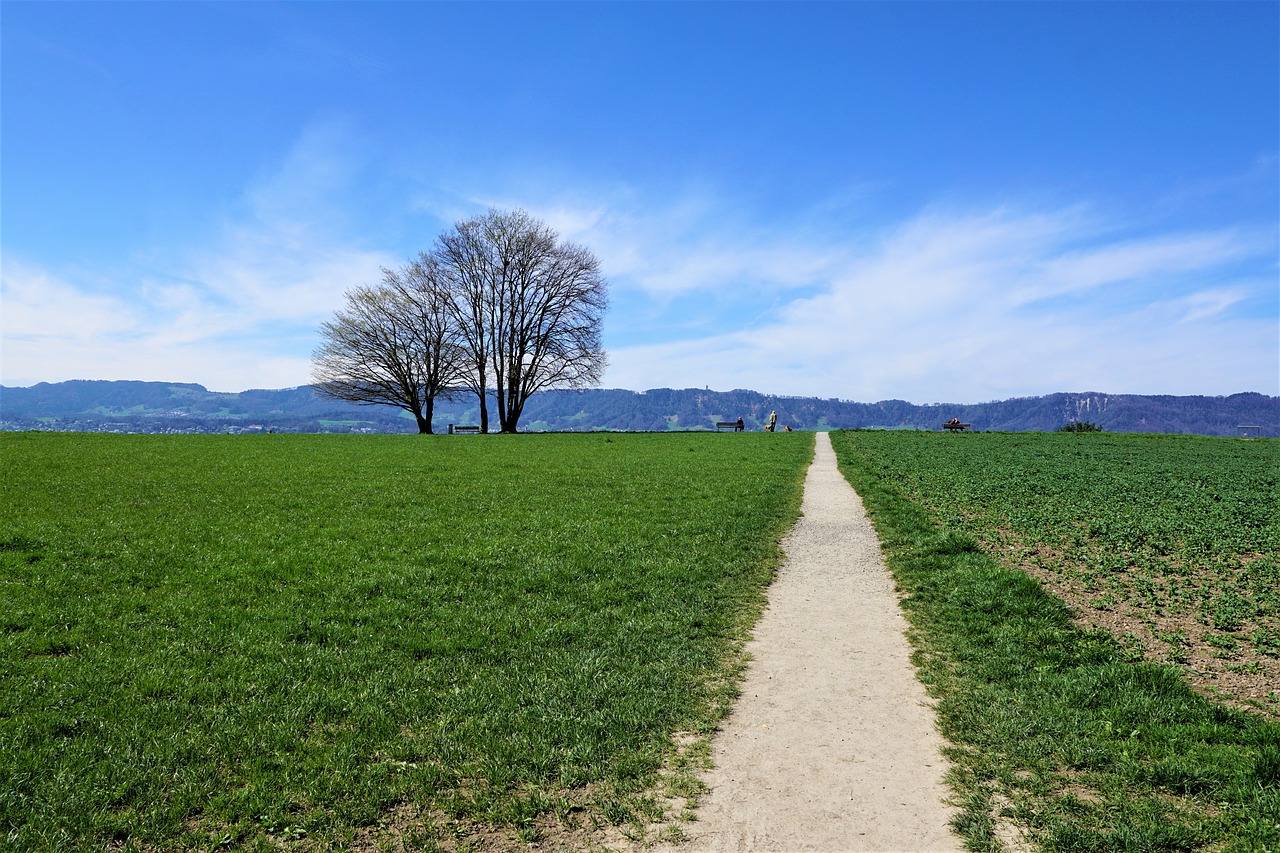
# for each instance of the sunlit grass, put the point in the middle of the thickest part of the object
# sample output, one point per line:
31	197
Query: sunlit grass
259	640
1057	731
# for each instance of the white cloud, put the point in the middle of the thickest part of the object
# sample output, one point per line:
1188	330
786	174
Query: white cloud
240	312
232	321
1207	304
967	308
40	308
1137	260
943	306
55	330
694	244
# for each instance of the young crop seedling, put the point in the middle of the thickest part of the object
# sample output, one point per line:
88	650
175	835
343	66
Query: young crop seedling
1063	649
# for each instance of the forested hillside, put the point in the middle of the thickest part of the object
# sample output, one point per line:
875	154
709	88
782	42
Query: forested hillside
180	407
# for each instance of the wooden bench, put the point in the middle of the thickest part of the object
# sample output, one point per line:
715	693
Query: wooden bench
723	425
955	427
463	430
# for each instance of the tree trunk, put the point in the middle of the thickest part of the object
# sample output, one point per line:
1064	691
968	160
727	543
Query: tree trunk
424	419
484	413
499	398
512	418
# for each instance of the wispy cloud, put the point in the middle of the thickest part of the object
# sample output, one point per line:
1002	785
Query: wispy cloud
963	307
1169	256
1207	304
243	319
946	305
239	312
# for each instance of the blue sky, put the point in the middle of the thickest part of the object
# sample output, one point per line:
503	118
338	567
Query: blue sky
937	202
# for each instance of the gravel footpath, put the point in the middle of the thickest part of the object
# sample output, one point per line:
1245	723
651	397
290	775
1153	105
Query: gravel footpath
833	745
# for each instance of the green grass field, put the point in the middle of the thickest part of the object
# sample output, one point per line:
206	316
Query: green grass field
1080	738
328	642
245	642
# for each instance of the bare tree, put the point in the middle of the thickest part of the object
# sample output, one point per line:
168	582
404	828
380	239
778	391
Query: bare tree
466	257
528	306
426	292
394	344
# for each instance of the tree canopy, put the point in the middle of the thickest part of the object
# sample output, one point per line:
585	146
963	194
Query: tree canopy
499	305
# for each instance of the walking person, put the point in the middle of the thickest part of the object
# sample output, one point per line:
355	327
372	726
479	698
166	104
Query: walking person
773	421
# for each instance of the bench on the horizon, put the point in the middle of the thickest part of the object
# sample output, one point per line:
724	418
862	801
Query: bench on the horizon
459	430
956	426
723	425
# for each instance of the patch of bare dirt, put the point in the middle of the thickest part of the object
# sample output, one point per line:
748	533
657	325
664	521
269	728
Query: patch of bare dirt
1222	665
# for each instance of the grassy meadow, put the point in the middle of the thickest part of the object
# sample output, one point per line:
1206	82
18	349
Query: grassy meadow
1066	594
249	642
402	642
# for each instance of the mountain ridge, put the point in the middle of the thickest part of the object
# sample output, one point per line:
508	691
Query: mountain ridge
137	406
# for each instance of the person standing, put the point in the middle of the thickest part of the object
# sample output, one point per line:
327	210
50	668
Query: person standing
773	421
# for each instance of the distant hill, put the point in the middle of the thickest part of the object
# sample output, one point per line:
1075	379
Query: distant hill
84	405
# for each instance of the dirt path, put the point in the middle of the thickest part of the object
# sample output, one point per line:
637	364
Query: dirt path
831	746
